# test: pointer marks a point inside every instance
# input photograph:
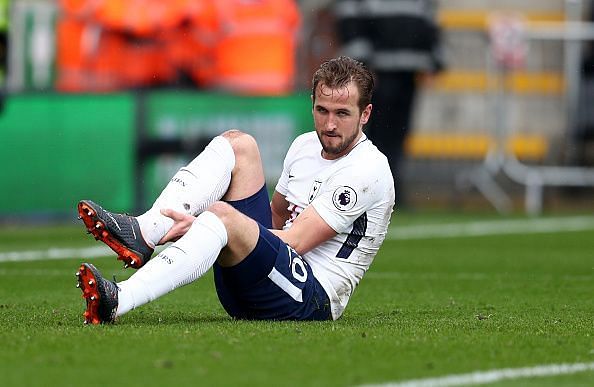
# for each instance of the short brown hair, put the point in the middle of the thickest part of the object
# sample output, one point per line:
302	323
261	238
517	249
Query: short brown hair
339	72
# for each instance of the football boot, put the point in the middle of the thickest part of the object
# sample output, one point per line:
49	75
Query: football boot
101	295
120	232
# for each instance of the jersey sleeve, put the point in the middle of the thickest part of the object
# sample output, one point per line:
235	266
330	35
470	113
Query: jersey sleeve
347	195
283	179
282	183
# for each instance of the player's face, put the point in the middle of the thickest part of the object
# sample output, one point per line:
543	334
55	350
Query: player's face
338	119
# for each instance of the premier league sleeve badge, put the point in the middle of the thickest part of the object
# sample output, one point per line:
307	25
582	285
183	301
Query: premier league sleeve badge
344	198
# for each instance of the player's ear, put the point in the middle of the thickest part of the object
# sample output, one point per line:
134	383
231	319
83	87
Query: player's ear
365	114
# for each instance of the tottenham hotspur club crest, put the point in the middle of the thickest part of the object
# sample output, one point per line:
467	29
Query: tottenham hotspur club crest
344	198
315	189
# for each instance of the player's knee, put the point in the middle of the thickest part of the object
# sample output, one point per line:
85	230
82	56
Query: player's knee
243	144
224	211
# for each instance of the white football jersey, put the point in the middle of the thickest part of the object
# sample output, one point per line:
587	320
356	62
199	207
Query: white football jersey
354	195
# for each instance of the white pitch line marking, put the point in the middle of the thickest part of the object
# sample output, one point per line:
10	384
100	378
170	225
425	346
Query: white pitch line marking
421	231
427	276
495	227
60	253
55	253
484	377
32	272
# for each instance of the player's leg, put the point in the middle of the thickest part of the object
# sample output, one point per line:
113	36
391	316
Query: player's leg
247	175
229	167
246	190
256	207
154	279
271	283
219	231
263	277
179	264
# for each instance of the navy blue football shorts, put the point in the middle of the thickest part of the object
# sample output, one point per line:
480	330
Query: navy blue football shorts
273	282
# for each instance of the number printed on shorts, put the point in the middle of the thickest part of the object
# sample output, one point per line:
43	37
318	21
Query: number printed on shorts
298	268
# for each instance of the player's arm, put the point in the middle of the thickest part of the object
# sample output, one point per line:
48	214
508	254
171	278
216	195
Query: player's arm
280	210
308	231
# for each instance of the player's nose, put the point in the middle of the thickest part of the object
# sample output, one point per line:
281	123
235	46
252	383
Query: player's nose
331	123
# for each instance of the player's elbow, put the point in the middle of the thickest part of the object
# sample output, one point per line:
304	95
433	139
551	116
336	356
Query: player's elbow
299	247
291	240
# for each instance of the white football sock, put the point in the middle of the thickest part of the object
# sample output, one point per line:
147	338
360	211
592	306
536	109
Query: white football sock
192	189
180	264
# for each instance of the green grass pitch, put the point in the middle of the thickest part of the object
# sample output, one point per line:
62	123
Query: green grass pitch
427	308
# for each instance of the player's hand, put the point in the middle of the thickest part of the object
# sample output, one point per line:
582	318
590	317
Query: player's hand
181	224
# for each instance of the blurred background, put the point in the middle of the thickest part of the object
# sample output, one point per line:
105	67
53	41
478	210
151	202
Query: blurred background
489	104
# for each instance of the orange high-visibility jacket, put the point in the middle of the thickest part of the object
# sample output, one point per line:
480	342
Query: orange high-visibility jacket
255	46
189	46
92	58
106	45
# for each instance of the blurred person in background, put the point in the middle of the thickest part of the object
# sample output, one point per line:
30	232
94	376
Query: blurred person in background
585	126
4	9
317	38
110	45
239	46
399	40
254	46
